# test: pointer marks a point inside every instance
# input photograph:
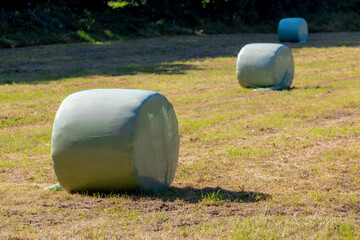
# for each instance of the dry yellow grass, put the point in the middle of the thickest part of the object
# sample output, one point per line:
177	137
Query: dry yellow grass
253	165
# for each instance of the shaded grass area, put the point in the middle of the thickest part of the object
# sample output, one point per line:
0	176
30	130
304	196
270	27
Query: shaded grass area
152	55
253	165
208	196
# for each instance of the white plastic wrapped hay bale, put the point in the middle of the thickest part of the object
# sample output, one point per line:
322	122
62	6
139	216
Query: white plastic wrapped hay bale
293	30
115	139
265	65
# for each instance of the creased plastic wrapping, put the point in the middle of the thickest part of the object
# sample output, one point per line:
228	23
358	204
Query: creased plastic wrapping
265	65
115	139
293	30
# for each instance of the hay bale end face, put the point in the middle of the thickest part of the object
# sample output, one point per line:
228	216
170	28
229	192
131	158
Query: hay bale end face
293	30
265	65
115	139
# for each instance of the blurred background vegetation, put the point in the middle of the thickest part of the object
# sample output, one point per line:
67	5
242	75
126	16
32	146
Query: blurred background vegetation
25	23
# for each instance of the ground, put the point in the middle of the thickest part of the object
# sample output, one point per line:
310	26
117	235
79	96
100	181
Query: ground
252	165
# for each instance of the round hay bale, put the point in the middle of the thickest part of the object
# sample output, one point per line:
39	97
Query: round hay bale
115	139
265	65
293	30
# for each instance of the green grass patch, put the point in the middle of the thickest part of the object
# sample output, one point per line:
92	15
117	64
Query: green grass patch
252	165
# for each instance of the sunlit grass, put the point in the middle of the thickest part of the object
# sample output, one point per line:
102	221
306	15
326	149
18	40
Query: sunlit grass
253	165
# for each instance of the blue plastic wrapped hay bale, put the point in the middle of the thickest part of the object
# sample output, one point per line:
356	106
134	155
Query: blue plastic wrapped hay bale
293	30
265	65
115	139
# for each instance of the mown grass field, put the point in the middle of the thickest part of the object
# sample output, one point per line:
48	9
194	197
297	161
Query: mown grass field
253	165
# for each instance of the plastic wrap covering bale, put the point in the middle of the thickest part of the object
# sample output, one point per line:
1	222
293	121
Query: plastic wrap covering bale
115	139
293	30
265	65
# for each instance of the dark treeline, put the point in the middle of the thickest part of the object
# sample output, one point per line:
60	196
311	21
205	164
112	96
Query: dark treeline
33	22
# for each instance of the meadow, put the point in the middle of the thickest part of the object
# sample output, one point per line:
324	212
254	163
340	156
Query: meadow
252	165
